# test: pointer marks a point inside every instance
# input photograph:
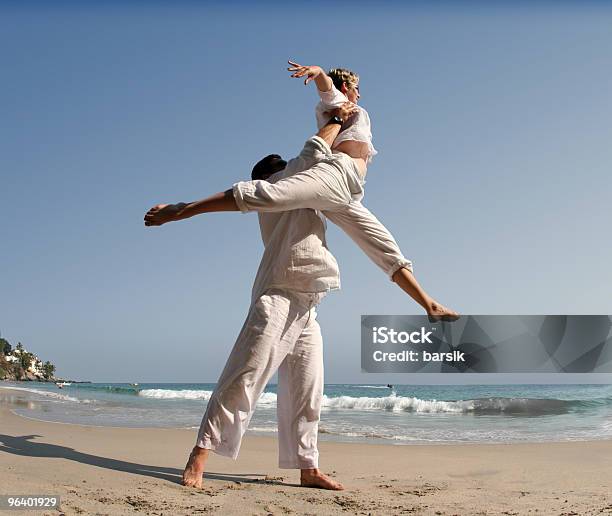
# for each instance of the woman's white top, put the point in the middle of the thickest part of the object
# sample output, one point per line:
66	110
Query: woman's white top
356	128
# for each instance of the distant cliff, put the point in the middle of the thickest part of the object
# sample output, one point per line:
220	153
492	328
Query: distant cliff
20	364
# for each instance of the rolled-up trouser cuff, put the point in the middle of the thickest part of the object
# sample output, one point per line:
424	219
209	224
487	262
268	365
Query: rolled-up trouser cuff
217	447
299	465
238	196
400	264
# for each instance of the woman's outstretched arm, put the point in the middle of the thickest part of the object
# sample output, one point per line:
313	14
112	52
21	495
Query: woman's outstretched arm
312	73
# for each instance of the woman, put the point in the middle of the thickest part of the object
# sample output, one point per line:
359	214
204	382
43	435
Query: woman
335	88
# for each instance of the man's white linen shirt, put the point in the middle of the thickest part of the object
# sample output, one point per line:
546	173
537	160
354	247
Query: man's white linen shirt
296	256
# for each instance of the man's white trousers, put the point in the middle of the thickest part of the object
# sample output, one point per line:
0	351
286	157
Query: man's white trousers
280	332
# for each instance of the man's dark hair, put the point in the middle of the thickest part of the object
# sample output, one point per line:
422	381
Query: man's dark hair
268	166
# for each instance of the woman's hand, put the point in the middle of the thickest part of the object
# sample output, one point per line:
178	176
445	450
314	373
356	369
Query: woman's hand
162	213
311	72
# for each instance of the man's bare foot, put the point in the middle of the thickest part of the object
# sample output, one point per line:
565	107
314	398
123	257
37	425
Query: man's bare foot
438	312
314	478
192	476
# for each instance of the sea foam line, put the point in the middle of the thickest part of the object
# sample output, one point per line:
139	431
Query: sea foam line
267	398
50	394
397	404
394	403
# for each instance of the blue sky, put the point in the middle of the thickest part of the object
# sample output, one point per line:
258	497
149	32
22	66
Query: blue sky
493	130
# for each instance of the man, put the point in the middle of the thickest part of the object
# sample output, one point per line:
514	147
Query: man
281	330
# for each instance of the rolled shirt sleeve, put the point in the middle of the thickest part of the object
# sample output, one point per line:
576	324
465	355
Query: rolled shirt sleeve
332	98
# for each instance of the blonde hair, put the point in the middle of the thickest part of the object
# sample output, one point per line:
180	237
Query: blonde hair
340	75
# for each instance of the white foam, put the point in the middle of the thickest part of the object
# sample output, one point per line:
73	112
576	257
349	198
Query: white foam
267	398
392	402
50	394
397	404
262	429
168	394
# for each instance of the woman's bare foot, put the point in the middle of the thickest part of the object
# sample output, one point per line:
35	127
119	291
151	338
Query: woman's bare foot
314	478
162	213
192	476
438	312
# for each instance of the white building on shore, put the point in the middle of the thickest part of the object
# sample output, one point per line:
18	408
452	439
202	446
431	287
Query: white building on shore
36	365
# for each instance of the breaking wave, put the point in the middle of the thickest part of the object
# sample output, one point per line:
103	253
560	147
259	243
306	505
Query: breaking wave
267	398
526	406
169	394
513	406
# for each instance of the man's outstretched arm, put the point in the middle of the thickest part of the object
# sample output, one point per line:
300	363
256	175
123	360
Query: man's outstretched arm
225	201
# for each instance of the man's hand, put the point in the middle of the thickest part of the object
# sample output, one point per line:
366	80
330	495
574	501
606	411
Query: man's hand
345	111
162	213
311	72
329	132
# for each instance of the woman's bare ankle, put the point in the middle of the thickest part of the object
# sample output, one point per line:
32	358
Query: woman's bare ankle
435	310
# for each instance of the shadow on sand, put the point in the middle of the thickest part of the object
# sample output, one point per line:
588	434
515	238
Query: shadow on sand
25	446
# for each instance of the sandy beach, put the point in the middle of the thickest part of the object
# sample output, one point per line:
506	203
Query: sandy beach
102	470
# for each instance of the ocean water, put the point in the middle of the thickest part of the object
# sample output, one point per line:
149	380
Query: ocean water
404	414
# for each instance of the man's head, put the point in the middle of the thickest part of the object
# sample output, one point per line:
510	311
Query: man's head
267	166
346	81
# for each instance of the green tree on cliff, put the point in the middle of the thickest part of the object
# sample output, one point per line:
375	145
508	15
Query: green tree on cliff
5	347
48	370
25	360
